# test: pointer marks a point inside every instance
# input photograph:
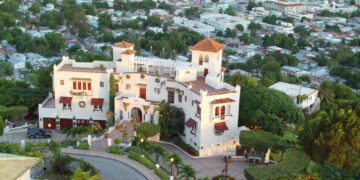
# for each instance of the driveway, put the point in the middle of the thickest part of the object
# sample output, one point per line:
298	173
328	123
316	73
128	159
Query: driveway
16	137
211	166
111	169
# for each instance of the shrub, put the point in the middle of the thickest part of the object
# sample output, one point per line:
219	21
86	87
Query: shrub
115	150
161	174
83	145
142	160
221	177
134	149
82	135
117	141
294	161
261	140
64	130
148	129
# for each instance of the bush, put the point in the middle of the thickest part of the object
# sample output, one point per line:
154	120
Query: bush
148	130
294	161
134	149
221	177
142	160
115	150
64	130
161	174
117	141
83	145
261	140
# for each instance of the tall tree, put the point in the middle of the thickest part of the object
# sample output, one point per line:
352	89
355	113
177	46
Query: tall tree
2	126
55	40
112	92
333	135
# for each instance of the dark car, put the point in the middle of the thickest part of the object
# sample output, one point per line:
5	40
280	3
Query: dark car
38	133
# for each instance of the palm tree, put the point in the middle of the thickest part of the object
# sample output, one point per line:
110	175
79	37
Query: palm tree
326	91
186	171
171	120
159	151
174	159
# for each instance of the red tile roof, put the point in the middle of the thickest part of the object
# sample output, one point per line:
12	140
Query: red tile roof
223	100
128	52
97	101
123	44
221	127
209	45
190	123
65	100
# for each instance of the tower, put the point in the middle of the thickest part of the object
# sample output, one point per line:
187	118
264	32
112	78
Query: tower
119	48
208	54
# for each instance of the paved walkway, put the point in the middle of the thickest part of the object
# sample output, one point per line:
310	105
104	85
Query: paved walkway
210	166
148	173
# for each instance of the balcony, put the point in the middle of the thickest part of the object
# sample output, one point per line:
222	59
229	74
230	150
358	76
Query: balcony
81	93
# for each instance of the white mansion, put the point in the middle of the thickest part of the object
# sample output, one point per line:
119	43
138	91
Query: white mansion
81	94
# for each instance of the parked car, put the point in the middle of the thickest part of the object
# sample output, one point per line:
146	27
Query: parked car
38	133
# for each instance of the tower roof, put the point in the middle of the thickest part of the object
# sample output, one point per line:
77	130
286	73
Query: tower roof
128	52
123	44
209	45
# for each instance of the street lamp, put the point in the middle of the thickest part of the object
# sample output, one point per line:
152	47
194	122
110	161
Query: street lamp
171	165
142	144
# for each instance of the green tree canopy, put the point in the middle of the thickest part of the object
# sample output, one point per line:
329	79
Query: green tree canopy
35	8
55	40
148	130
230	12
105	20
240	27
333	135
271	70
267	109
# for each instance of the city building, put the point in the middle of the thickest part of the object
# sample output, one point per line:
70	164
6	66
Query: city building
296	92
81	94
284	6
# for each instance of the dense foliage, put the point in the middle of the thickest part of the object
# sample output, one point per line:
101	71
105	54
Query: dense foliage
267	109
171	120
261	140
333	134
115	150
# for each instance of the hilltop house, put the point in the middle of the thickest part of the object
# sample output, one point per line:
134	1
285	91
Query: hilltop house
81	94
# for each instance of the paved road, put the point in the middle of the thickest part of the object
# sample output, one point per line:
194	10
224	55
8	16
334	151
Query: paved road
16	137
111	169
211	166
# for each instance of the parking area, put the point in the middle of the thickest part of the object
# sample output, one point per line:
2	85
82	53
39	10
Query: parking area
16	137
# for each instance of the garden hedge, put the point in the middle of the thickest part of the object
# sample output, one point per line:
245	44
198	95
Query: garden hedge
261	140
115	150
148	129
140	159
294	161
161	174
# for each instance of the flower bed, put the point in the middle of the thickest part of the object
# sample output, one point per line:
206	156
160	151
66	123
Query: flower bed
187	148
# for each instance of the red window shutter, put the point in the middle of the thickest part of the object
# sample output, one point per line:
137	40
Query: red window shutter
79	85
217	111
222	110
117	87
89	86
84	85
74	85
198	109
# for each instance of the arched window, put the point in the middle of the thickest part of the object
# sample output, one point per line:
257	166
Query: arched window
222	110
206	58
201	59
217	111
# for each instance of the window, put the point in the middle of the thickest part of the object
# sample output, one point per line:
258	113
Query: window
97	108
201	59
193	130
74	85
84	86
206	58
198	110
180	97
217	111
222	110
158	90
192	103
101	83
66	106
171	96
79	85
61	82
89	86
127	86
